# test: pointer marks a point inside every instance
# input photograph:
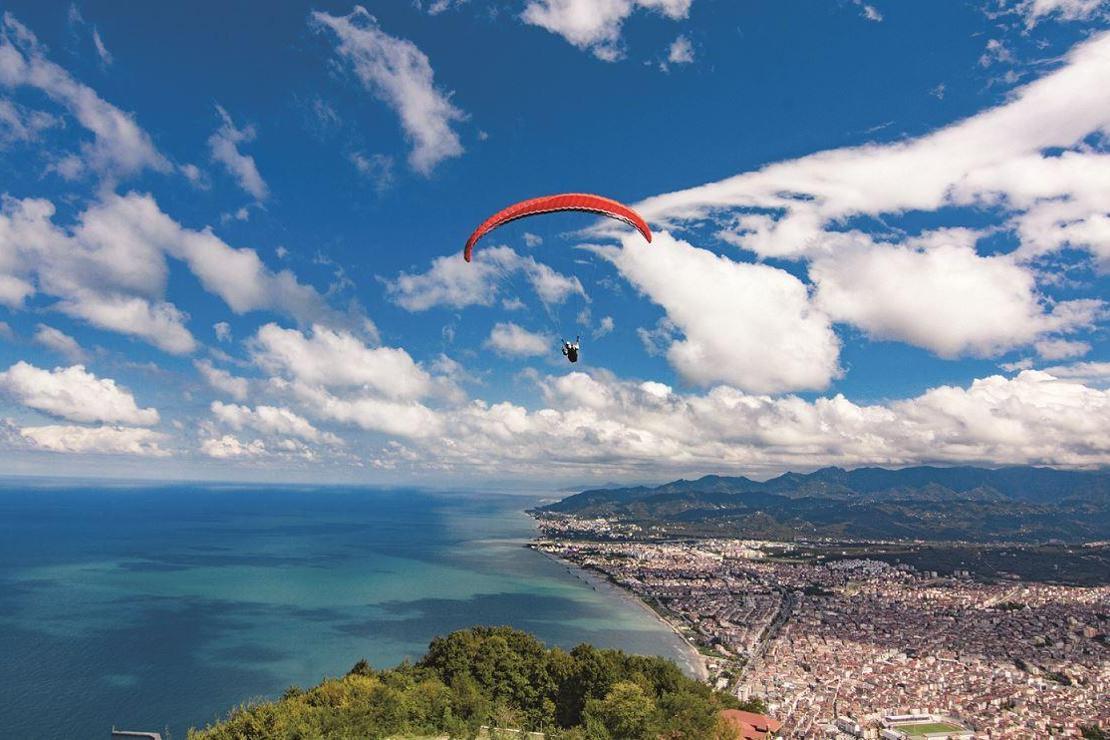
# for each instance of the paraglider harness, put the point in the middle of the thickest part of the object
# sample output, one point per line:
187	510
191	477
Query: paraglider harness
570	351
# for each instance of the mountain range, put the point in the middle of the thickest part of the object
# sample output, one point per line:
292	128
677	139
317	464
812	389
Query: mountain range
925	502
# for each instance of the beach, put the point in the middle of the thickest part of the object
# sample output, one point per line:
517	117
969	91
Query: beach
693	662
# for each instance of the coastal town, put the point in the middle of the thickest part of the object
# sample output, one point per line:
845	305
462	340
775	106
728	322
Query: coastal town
860	648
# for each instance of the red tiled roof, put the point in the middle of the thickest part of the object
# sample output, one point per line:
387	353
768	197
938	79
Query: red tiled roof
752	726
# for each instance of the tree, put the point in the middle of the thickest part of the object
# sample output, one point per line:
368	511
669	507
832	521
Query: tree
626	711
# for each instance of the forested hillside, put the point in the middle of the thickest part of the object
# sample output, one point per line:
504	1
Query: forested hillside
494	676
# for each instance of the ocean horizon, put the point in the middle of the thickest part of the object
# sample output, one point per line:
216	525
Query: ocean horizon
160	607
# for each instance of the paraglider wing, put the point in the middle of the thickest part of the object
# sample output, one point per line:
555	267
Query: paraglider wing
552	203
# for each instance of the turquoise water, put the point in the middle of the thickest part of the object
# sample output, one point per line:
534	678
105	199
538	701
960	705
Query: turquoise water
162	607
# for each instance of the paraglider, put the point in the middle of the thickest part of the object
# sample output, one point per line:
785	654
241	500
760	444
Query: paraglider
585	202
555	203
570	351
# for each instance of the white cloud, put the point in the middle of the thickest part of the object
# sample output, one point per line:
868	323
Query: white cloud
224	146
399	418
160	323
1095	374
681	51
435	7
995	52
20	123
605	326
223	331
110	269
752	326
222	380
938	293
786	206
195	176
1068	10
229	447
1005	162
451	281
1061	349
595	25
514	341
339	359
101	48
870	12
271	420
96	440
377	168
597	422
74	394
399	73
119	146
59	342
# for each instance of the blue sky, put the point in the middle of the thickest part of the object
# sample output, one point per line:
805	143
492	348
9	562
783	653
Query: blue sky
230	240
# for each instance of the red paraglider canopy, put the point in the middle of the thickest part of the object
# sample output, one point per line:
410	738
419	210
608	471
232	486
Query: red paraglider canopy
552	203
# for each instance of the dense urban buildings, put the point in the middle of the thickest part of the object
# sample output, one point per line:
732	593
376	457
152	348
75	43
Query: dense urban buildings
837	648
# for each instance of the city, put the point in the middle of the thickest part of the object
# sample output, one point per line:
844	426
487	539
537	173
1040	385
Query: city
834	648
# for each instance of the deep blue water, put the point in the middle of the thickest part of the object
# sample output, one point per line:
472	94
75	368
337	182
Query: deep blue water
162	607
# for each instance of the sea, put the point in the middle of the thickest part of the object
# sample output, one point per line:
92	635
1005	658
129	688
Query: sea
161	607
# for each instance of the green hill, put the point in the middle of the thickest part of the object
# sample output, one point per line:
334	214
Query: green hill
494	676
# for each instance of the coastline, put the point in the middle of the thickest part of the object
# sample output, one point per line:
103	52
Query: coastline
693	661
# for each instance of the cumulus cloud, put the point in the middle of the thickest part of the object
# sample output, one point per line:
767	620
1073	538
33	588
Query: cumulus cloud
110	269
230	447
333	376
511	340
752	326
598	421
119	146
453	282
222	380
224	147
400	74
595	25
1036	165
939	293
74	394
223	331
369	411
339	359
271	420
105	440
59	342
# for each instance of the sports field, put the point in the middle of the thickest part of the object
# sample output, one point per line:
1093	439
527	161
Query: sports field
920	730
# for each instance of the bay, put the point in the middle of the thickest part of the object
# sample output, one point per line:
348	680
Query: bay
161	607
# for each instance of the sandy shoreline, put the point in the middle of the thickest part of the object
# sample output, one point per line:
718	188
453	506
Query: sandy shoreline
694	661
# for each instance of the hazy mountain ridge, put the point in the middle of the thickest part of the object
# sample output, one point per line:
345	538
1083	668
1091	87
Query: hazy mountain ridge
1021	503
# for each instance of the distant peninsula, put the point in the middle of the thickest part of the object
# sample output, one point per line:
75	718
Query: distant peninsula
1017	504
